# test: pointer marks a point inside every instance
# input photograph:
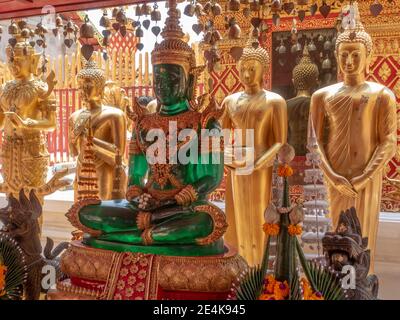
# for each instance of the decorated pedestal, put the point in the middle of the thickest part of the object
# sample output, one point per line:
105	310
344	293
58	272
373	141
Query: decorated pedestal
108	275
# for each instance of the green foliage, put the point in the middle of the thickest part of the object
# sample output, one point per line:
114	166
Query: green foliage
251	285
326	282
295	290
12	257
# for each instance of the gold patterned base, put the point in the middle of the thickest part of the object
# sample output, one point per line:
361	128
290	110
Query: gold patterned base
213	274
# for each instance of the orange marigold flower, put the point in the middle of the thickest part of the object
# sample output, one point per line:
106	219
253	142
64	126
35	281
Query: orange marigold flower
269	284
317	296
295	230
281	290
3	271
308	294
284	170
271	229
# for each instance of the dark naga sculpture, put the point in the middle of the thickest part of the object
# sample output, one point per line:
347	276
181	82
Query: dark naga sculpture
20	220
347	247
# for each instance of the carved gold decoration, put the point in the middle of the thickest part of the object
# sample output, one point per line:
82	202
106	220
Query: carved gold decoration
173	49
87	263
73	215
219	223
143	220
196	274
186	196
27	113
385	72
66	291
147	236
205	274
133	192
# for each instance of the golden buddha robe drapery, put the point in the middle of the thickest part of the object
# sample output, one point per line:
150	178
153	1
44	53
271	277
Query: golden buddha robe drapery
247	196
361	141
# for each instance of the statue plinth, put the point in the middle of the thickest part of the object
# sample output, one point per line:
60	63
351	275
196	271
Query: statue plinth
109	275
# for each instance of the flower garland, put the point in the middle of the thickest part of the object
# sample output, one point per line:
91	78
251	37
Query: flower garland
3	272
278	290
295	229
284	170
308	293
274	290
271	229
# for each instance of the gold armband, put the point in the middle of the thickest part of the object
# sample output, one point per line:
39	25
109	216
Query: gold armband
133	192
147	236
143	220
186	196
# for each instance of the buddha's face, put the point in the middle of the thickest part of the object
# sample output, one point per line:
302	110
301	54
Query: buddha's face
352	58
21	66
250	73
170	83
88	89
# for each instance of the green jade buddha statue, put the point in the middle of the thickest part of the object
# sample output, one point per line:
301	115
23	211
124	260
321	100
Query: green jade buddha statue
166	209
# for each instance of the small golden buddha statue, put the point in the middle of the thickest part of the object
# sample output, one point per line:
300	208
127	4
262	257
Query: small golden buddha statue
264	113
305	79
108	126
362	133
27	113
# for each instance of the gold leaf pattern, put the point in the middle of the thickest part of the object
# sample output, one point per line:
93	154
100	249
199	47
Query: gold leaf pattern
385	72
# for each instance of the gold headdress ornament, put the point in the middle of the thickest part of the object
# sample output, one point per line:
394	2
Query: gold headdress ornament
91	71
355	31
19	44
173	49
254	51
305	72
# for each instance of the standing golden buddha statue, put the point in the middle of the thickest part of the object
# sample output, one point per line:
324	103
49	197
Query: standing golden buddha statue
107	124
264	114
362	132
27	113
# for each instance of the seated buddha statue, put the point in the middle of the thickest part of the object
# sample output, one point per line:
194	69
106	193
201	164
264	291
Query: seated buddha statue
362	132
166	209
108	125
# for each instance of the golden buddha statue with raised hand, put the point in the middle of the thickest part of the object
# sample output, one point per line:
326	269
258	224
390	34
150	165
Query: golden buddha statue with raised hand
108	125
264	114
362	133
27	113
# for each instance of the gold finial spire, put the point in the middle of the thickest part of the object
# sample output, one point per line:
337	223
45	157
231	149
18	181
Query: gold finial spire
173	49
172	29
254	51
354	30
